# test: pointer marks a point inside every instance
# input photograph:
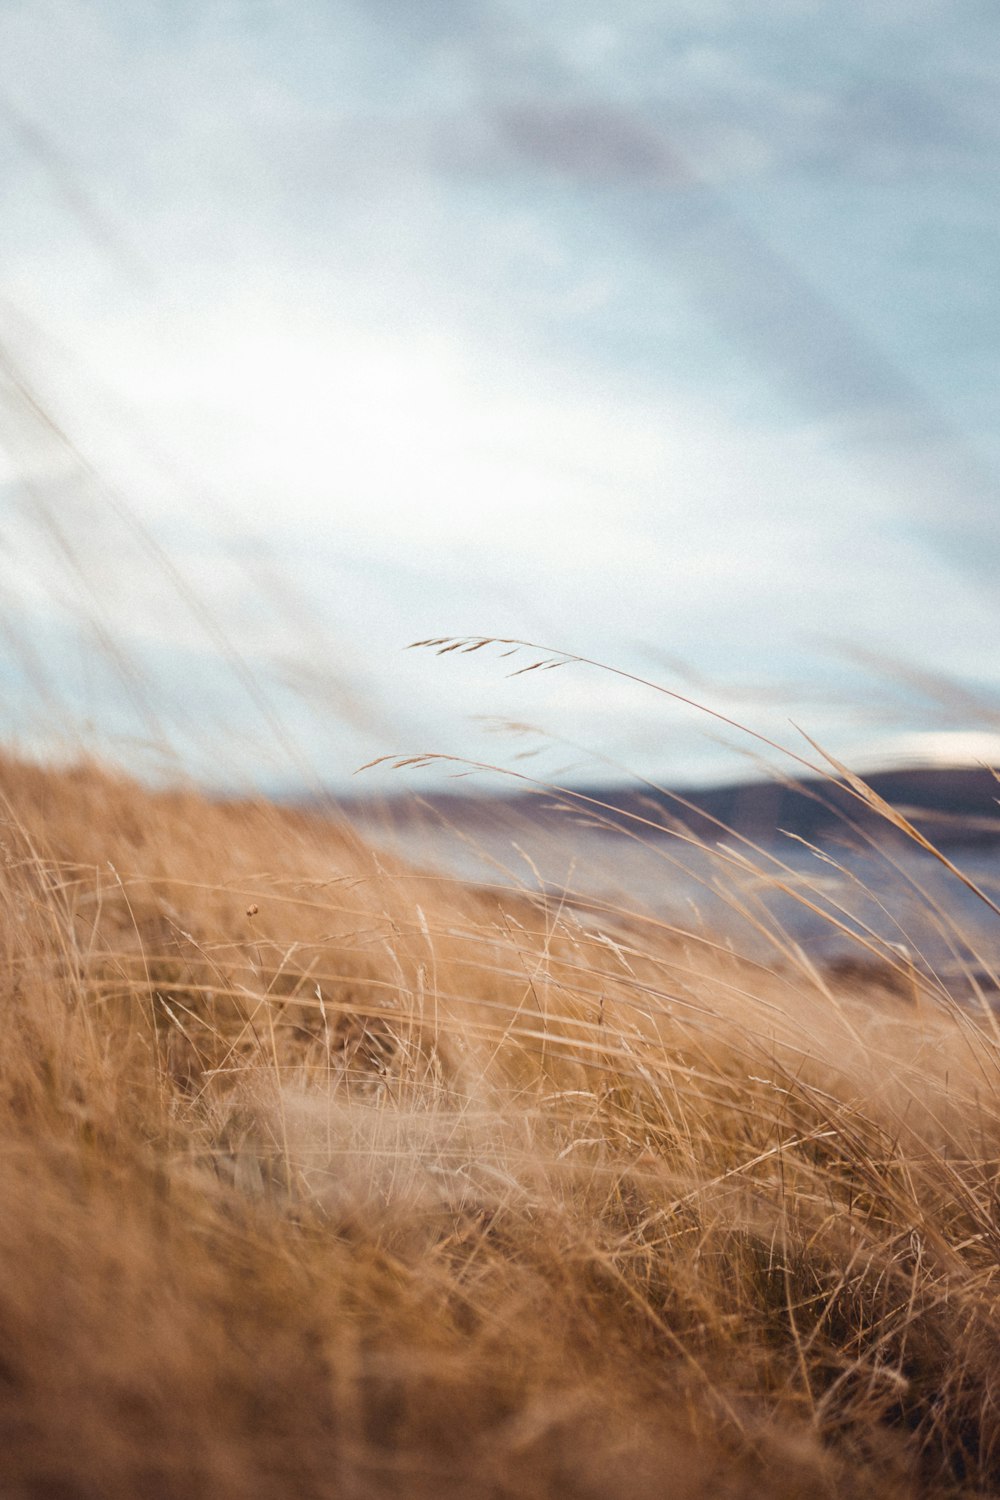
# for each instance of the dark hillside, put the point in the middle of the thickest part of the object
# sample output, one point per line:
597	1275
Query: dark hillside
954	806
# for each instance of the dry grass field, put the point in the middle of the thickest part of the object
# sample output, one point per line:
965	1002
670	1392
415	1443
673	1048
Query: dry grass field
321	1177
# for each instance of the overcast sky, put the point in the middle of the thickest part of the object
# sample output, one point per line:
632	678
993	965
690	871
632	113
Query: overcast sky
668	337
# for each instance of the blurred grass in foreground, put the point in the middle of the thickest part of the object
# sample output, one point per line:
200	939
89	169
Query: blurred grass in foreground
323	1176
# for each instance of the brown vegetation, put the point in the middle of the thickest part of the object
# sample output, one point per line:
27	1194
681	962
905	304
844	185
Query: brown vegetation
323	1178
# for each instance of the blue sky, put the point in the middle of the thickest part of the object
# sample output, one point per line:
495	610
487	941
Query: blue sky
669	338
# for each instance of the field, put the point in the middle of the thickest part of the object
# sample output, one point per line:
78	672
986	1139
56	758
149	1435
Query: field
325	1177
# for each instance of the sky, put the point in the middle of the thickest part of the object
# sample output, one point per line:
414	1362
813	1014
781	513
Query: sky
667	338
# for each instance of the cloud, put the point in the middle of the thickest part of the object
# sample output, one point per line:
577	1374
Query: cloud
593	143
499	315
881	129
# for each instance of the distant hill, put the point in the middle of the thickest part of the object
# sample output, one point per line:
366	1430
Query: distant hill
953	806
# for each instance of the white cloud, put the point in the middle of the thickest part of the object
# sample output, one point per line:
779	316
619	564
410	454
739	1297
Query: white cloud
490	401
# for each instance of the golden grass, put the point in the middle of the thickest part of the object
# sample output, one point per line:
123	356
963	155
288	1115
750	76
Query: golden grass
325	1178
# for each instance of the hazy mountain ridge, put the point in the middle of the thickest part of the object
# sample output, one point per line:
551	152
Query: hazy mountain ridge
953	806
